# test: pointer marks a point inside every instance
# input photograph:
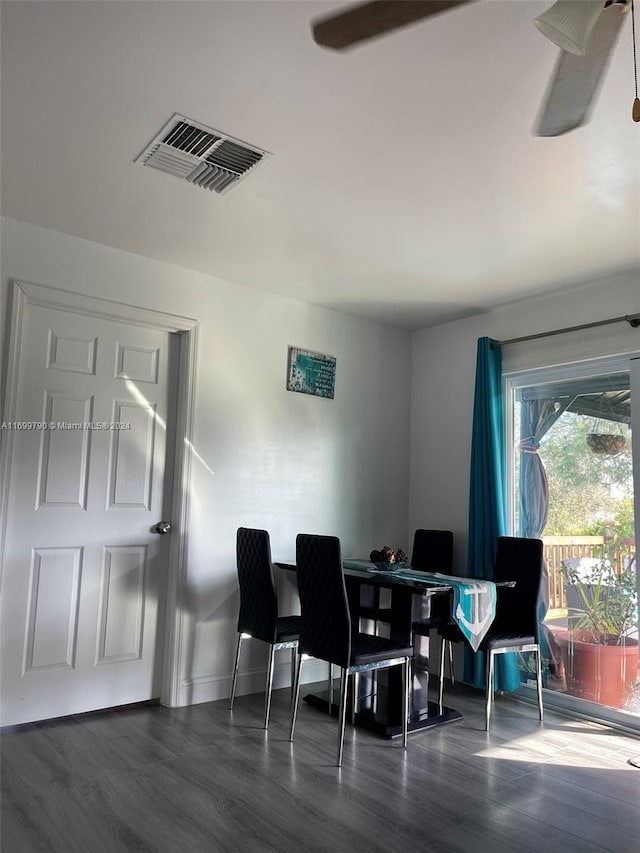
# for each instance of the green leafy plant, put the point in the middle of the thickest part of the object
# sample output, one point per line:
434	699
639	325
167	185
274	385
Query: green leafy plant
580	481
527	666
608	602
620	526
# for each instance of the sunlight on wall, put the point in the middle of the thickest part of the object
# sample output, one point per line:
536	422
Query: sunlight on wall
143	401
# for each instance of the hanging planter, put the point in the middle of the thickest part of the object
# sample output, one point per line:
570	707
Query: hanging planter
606	444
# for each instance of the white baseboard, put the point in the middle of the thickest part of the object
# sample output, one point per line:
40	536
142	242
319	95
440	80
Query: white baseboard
209	688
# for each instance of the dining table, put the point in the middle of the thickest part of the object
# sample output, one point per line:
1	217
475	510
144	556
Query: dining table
378	704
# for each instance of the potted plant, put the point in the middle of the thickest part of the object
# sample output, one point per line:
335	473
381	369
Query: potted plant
600	648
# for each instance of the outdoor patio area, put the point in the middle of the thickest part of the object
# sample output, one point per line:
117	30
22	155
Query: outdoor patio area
568	614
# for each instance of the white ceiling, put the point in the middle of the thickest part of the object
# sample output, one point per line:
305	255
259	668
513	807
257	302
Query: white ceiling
405	183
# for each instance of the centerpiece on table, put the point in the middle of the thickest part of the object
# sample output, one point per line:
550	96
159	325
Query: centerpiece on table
389	560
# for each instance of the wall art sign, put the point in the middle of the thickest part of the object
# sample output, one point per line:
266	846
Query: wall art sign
311	373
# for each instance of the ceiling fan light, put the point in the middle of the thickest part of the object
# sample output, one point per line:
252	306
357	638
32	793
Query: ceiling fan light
568	23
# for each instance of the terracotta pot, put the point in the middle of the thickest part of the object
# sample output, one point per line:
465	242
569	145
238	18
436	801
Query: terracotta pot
602	674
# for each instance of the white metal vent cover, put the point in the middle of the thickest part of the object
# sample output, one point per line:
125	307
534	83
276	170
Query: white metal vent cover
199	154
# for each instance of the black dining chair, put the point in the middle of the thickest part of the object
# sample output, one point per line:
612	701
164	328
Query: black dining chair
258	618
515	627
432	552
326	632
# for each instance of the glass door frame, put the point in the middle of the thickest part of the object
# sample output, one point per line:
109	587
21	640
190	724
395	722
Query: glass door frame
539	376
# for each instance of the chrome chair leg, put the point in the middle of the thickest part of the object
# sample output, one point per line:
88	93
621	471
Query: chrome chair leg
441	674
412	643
539	680
354	699
343	712
330	688
234	679
489	692
296	696
451	675
267	698
405	702
293	669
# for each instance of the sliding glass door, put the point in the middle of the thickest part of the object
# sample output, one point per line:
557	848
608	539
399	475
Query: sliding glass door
575	484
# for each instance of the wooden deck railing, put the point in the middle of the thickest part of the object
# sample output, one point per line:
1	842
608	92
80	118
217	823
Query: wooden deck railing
559	548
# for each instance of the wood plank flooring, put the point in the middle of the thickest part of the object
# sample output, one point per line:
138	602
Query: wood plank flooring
155	780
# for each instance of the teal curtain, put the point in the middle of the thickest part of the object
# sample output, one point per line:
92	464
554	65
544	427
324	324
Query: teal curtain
487	497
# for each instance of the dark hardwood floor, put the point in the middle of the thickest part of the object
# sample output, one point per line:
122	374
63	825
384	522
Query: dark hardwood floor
202	779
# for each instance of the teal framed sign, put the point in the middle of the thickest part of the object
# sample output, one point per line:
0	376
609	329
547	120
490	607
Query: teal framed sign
311	373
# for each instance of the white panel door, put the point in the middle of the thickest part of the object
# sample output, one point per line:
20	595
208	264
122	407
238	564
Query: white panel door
84	574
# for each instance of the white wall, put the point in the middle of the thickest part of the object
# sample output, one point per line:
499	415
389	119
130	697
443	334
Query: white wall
269	458
294	463
443	375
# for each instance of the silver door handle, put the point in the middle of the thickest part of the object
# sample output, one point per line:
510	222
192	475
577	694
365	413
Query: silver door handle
161	527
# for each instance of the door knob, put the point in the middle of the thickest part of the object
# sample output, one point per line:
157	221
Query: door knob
162	527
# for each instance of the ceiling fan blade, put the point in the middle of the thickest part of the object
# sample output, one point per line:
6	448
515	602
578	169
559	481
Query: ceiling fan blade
576	79
368	20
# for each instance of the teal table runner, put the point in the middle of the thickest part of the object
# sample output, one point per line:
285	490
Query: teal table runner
474	606
474	601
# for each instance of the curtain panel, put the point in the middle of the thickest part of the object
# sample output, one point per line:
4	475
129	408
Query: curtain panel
487	497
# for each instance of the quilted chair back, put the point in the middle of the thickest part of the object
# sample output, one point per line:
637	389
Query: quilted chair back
258	597
432	551
325	631
519	560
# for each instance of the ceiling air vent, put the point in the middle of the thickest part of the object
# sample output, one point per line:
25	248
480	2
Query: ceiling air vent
203	156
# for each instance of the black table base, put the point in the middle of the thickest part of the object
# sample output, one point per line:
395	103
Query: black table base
379	702
372	715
